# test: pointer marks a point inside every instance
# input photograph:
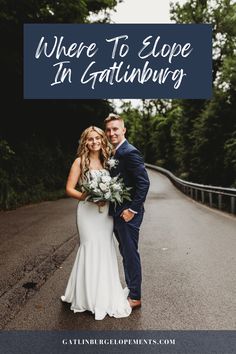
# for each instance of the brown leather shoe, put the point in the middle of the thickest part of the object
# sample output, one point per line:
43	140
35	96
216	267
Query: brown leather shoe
134	304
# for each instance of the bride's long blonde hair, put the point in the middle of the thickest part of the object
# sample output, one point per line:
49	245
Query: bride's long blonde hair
83	151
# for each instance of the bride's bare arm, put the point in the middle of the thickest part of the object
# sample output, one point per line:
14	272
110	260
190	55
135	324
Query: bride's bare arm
72	181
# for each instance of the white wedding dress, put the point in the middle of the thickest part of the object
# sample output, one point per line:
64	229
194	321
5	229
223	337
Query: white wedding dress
94	283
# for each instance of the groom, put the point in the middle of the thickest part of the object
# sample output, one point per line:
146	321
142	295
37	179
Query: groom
129	215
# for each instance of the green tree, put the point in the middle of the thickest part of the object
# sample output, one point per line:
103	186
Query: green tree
206	126
42	133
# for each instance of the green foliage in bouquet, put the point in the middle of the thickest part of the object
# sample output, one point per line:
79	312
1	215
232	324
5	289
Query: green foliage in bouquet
106	188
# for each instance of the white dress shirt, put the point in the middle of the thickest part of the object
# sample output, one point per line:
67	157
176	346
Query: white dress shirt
117	147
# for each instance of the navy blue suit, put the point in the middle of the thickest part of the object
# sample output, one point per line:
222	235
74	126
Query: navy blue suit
131	168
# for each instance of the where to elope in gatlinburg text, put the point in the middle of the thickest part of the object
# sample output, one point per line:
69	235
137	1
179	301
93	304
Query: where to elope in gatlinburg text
128	57
117	72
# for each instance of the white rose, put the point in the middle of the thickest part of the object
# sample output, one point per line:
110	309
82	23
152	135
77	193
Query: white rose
94	184
106	179
107	195
103	187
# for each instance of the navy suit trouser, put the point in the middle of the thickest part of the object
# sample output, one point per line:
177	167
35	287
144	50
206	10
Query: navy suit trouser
127	234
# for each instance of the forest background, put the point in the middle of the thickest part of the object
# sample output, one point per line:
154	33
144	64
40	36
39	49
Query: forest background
194	139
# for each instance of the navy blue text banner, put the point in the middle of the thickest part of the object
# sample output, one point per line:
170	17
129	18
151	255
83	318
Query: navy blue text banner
73	61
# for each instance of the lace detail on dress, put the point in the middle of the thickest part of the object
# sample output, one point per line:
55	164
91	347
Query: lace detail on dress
93	173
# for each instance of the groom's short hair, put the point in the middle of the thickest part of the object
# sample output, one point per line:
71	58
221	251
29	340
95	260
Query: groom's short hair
113	116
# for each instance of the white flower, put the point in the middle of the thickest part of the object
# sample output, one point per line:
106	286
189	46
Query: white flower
112	162
107	188
104	187
94	184
106	179
107	195
116	187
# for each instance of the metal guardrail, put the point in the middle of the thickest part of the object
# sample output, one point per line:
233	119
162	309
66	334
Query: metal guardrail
215	197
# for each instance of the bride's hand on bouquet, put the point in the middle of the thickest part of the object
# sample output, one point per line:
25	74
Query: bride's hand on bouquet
83	196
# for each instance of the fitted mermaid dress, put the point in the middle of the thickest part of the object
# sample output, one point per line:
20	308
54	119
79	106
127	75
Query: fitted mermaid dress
94	282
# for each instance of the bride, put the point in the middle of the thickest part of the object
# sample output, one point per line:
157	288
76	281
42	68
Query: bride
94	283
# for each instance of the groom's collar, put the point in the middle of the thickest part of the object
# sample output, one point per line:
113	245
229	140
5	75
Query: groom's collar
122	142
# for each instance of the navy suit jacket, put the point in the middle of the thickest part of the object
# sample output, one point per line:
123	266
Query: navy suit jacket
132	169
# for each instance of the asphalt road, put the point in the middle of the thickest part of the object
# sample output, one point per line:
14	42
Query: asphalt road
188	254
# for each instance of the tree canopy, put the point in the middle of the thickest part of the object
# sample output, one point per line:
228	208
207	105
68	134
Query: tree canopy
196	138
39	138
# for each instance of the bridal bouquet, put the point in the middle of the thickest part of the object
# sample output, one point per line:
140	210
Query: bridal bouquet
106	188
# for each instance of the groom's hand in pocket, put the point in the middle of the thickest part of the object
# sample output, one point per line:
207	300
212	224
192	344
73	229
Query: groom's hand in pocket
127	215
